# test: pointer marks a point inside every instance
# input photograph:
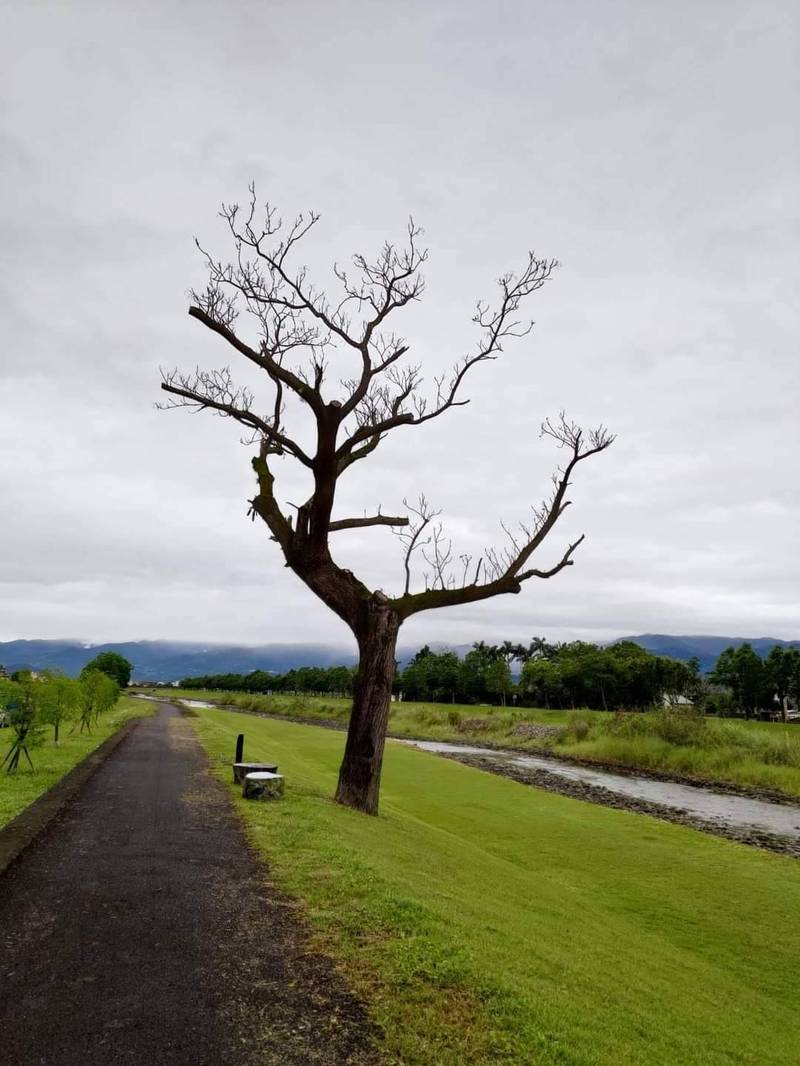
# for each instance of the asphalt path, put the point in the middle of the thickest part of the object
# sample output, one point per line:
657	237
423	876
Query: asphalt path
139	928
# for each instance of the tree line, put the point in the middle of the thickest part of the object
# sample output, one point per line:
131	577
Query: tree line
318	680
31	704
577	674
568	675
622	676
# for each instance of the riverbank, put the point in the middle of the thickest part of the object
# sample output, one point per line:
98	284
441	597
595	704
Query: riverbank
734	813
539	777
535	733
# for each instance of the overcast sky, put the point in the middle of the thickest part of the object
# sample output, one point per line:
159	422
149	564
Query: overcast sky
651	147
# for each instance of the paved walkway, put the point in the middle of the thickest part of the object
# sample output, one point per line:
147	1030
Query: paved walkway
139	929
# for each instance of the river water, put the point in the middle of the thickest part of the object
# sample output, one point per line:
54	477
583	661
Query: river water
739	812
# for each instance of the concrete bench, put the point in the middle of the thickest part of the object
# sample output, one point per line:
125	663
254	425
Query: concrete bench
262	785
242	769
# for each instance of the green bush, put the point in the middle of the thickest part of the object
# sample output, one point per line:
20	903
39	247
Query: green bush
578	728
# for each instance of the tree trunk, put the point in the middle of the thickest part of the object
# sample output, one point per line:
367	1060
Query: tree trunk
360	772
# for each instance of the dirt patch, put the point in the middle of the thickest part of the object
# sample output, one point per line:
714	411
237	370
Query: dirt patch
472	725
535	731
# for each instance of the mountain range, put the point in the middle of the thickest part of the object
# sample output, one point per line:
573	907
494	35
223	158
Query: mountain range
705	649
159	660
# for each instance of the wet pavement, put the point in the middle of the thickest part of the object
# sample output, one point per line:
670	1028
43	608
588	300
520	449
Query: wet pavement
139	929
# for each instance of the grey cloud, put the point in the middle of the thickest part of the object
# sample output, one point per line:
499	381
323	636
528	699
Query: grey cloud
647	148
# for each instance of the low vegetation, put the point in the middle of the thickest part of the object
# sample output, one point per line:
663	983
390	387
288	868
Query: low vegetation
19	790
486	922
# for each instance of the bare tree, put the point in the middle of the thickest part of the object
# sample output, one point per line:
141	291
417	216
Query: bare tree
297	332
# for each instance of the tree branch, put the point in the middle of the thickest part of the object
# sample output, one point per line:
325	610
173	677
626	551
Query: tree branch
266	362
215	392
375	520
496	326
384	393
503	571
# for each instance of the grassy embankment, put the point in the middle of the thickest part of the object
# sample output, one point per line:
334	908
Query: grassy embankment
19	790
486	922
759	755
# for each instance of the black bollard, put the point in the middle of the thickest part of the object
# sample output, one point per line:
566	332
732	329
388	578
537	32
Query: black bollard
239	748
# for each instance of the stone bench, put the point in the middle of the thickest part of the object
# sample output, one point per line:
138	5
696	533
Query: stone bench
242	769
262	785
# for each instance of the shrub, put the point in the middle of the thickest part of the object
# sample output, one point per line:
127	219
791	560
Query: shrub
577	729
678	725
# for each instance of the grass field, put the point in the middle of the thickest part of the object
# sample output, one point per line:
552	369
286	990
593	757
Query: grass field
759	755
487	922
19	790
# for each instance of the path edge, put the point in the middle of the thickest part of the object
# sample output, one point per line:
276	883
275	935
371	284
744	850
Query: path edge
21	831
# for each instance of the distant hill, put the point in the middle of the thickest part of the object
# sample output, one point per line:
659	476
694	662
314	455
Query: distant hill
160	660
707	649
157	660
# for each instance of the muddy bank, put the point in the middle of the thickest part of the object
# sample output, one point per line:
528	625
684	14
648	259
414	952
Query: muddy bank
540	778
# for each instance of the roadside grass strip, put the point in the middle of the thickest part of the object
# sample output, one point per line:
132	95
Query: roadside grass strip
488	922
51	763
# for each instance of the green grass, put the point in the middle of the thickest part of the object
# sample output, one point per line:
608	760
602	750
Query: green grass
487	922
759	755
19	790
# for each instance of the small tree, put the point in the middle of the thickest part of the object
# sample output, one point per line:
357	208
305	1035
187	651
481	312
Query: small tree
350	418
23	703
113	665
499	682
61	699
99	693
